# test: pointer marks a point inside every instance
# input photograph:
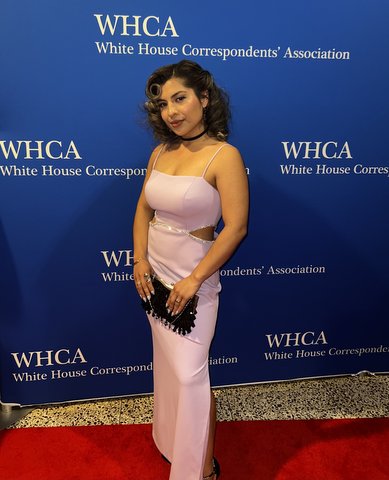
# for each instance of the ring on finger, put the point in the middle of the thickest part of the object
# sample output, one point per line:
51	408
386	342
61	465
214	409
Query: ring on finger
148	280
146	275
178	300
138	283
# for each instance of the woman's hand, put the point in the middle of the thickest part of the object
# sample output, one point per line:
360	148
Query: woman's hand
142	279
182	292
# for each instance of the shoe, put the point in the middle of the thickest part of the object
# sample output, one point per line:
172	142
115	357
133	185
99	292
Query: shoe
215	471
216	467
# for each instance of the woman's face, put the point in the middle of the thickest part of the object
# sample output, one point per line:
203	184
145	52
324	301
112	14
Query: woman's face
181	109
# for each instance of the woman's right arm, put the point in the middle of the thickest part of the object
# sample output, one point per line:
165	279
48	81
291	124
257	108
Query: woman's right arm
143	214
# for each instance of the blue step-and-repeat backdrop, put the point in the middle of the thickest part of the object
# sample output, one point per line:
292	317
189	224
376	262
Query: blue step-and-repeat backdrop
306	294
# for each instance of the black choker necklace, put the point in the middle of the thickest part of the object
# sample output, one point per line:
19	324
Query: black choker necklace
195	137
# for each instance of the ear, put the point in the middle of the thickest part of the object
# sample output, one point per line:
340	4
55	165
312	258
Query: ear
204	99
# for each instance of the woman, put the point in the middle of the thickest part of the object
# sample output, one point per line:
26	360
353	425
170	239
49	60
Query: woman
193	178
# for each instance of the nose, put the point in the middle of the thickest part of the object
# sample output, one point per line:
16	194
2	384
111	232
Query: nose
171	109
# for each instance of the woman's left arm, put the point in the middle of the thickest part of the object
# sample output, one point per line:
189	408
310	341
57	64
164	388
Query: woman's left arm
232	185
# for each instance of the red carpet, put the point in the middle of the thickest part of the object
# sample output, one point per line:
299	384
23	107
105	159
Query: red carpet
355	449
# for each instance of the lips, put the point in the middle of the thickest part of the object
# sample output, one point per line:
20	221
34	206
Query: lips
176	124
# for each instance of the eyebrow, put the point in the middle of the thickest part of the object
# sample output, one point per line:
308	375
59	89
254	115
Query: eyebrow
174	95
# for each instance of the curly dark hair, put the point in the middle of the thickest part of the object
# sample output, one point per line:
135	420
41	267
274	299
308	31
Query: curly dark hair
217	112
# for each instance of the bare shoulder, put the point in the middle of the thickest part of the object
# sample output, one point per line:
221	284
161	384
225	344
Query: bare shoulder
227	160
156	150
154	154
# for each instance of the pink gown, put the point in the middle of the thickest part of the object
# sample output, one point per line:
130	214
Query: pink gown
182	204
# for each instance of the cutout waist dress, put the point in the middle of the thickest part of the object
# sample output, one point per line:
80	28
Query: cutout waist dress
183	202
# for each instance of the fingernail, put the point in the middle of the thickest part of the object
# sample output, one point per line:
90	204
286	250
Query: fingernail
152	292
148	297
168	310
144	299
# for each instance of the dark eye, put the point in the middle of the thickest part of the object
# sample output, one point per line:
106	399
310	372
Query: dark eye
180	99
161	105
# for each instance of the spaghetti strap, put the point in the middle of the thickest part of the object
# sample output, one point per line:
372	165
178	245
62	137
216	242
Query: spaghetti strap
213	156
158	154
